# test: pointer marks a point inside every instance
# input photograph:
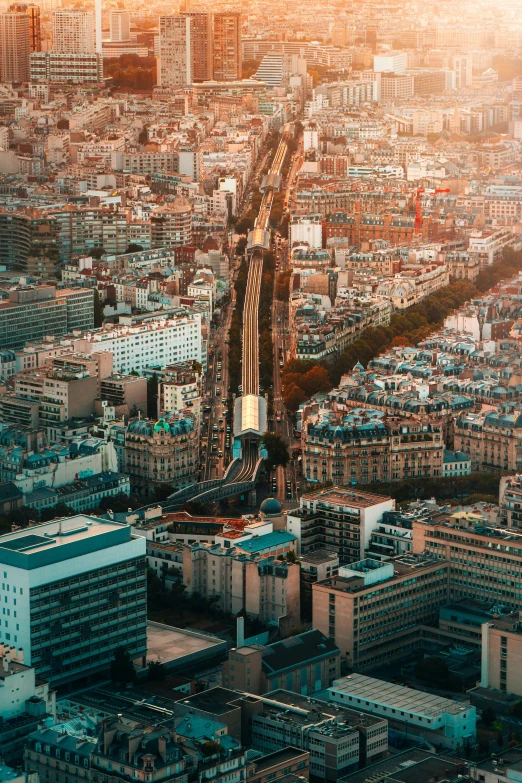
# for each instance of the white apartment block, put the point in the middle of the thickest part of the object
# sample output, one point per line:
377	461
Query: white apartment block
73	31
154	343
175	46
396	62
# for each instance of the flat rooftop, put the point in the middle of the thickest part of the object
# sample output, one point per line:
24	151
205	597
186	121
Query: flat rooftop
344	497
319	556
410	766
314	707
177	647
387	694
403	565
218	700
60	540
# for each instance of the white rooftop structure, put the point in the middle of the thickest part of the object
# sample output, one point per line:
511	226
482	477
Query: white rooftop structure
449	722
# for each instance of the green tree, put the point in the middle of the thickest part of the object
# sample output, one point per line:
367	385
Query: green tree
277	450
157	671
133	247
122	668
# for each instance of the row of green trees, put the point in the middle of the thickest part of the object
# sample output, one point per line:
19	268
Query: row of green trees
406	328
235	332
266	346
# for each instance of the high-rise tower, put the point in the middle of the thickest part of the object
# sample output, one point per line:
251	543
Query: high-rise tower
200	45
14	46
35	32
227	46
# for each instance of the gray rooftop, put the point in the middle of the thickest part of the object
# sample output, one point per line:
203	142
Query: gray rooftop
60	540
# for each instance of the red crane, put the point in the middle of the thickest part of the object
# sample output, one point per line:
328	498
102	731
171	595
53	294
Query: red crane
418	211
418	207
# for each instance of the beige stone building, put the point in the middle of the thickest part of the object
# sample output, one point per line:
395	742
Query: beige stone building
163	453
370	446
493	440
373	610
502	654
485	560
264	587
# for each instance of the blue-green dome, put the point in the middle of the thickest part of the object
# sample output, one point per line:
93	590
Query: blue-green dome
271	507
161	425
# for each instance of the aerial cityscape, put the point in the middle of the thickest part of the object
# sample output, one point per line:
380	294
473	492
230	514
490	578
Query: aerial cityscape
261	391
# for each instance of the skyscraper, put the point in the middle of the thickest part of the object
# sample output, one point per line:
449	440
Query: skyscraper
35	33
175	51
200	45
14	47
120	25
227	46
73	31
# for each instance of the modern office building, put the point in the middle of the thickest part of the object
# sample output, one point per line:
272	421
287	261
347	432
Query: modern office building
227	46
368	611
175	42
73	590
338	740
484	558
340	519
35	32
119	21
200	45
73	31
59	312
66	67
15	28
416	714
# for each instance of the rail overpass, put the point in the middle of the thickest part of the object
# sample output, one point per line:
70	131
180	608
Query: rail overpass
250	418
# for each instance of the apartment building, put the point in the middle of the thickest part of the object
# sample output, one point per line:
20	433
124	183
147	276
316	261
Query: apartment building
372	609
365	445
227	46
15	46
153	343
74	591
483	558
60	311
339	740
33	12
264	587
175	45
510	500
164	453
492	440
340	519
502	654
171	225
200	45
73	31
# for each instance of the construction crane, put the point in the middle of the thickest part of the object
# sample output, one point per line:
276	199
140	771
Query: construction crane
418	207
